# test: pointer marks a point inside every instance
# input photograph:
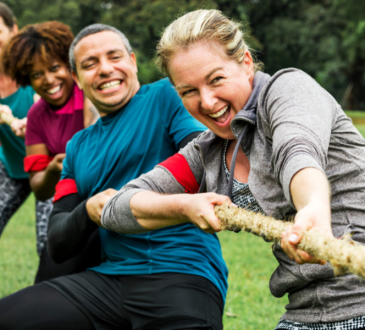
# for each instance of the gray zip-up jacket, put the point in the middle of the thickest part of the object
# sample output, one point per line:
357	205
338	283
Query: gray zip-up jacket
291	123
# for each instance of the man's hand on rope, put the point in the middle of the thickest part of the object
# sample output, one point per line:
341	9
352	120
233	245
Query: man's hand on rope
95	204
313	217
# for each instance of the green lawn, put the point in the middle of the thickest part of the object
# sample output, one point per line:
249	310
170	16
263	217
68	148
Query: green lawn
18	256
355	114
249	259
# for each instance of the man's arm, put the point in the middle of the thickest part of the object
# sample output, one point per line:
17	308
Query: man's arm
69	228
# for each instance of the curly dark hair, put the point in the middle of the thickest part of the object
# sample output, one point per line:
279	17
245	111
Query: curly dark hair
48	40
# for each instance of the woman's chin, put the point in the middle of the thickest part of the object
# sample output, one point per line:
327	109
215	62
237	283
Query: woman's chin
224	133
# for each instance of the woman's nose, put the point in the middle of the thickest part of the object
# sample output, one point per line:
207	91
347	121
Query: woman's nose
49	78
208	99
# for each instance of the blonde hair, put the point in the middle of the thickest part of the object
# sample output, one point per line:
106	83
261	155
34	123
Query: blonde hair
202	25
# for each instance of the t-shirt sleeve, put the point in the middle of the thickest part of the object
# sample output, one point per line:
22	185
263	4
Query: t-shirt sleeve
67	170
33	134
176	119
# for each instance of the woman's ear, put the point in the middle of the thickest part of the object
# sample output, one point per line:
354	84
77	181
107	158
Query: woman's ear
248	63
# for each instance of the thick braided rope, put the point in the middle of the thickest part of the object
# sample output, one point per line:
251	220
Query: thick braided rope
345	255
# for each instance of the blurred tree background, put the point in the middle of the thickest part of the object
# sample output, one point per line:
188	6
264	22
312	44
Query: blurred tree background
325	38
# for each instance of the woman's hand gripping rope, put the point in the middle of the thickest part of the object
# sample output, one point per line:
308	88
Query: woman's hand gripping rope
344	255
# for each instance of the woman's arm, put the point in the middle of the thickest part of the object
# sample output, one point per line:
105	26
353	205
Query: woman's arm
91	115
43	182
298	117
311	196
163	197
155	211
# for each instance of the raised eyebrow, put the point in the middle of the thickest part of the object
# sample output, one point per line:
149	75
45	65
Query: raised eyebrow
212	71
206	78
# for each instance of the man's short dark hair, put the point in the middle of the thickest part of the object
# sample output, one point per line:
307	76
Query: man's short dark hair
7	15
92	29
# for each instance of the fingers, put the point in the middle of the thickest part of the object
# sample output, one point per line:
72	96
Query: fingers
290	248
289	243
60	157
207	219
5	109
210	223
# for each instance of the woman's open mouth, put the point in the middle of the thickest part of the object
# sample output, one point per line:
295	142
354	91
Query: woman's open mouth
222	115
54	90
55	93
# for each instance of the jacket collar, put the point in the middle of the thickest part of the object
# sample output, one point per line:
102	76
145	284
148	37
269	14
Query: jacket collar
248	113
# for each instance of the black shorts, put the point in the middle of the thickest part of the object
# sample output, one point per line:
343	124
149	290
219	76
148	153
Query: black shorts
163	301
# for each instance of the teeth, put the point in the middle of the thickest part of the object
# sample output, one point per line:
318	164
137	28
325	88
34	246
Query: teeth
54	90
219	113
110	84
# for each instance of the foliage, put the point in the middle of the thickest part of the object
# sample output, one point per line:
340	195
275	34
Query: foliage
322	37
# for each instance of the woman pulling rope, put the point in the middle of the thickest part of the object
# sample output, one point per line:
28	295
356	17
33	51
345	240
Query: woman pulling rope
277	145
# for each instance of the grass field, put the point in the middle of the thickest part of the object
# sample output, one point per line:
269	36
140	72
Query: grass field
249	259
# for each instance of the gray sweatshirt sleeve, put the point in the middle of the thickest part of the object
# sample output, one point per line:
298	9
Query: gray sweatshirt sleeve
117	214
299	116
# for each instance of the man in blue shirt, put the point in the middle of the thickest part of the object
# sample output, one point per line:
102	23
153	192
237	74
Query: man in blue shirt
161	279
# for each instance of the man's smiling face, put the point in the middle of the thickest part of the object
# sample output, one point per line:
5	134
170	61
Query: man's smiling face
106	72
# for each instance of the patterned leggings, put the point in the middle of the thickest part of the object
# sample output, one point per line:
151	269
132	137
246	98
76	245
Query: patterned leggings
13	193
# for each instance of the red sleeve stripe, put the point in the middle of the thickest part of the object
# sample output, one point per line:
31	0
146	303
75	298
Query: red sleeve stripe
178	166
65	187
36	163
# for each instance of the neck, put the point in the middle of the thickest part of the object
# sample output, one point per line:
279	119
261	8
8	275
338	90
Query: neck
8	86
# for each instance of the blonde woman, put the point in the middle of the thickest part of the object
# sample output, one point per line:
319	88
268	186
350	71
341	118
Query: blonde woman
279	145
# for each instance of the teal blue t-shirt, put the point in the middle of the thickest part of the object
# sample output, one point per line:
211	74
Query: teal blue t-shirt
119	148
12	150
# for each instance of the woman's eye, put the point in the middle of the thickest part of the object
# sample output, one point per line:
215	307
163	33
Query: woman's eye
35	76
216	79
55	68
